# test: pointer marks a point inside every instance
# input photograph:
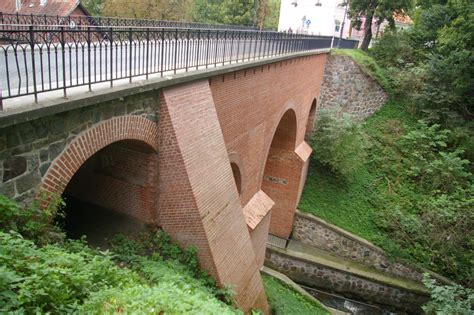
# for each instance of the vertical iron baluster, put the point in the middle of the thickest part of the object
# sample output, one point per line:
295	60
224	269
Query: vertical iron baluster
231	45
223	52
147	50
238	47
63	54
89	57
130	55
111	57
32	45
208	44
162	49
198	46
215	51
187	50
175	49
243	49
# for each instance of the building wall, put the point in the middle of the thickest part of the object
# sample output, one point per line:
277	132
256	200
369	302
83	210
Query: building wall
323	18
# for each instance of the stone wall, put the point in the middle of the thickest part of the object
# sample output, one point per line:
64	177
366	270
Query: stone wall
320	234
347	89
350	285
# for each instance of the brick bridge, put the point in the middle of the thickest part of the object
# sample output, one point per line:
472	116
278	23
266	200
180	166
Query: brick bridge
217	158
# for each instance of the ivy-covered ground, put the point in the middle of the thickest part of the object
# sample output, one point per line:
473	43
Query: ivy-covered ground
284	300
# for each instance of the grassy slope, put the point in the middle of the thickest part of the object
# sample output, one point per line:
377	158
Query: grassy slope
285	300
348	203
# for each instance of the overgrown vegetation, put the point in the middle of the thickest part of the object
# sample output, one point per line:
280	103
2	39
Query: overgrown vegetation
48	273
286	301
411	190
448	299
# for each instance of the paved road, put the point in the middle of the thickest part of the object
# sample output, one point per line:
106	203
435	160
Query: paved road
136	59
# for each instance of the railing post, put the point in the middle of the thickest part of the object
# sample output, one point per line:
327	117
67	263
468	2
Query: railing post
147	50
32	45
1	101
175	49
89	57
130	39
63	54
187	50
111	57
198	46
162	52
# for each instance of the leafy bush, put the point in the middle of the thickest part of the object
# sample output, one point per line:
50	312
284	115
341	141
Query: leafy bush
339	143
32	221
425	199
448	300
149	275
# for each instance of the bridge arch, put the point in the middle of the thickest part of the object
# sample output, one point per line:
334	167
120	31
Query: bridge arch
281	174
111	171
311	120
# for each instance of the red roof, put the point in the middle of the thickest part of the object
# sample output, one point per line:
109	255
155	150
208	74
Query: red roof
50	7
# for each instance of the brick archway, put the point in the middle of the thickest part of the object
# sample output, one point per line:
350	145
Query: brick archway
282	173
92	140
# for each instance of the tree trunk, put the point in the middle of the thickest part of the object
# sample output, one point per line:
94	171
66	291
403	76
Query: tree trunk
367	32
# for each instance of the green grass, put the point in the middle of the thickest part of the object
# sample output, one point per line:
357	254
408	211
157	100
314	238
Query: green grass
350	203
367	65
285	300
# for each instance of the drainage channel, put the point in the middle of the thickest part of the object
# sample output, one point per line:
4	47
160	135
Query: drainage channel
347	305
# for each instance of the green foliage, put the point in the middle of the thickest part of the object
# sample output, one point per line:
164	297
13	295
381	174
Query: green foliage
32	222
380	10
367	65
149	275
338	143
432	63
284	300
413	197
49	279
448	300
224	12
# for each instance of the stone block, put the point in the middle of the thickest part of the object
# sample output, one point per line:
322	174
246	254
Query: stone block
14	167
27	182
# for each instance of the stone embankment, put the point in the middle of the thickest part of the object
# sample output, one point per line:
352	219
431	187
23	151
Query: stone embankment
347	89
316	268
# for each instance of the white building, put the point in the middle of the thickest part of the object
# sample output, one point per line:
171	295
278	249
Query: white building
316	17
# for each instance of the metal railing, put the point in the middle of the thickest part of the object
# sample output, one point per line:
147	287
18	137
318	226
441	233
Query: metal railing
37	59
73	21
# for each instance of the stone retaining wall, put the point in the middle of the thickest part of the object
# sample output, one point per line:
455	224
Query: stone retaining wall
324	277
349	90
318	233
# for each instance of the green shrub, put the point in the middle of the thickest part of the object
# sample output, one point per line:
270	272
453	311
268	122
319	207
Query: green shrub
448	299
339	143
32	221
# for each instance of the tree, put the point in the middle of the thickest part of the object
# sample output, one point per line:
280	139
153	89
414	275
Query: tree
175	10
365	11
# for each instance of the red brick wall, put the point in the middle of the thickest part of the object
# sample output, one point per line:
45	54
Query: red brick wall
199	204
259	238
107	193
121	177
250	104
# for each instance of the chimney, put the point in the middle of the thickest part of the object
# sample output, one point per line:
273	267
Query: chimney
18	5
